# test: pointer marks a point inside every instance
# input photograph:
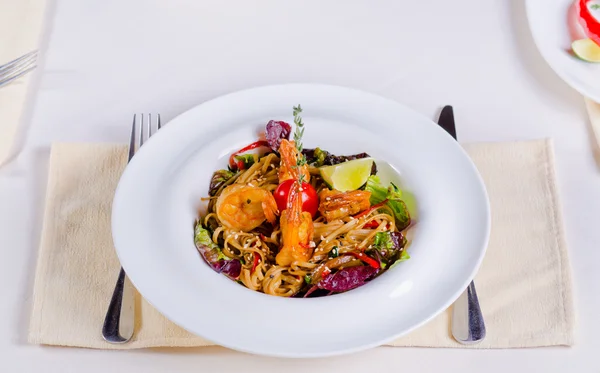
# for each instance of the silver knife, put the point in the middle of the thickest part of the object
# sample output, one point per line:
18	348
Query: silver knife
468	326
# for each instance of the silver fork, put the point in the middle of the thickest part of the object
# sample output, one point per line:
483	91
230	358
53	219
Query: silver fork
17	68
119	321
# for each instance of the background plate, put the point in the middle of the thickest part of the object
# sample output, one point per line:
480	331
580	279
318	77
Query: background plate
553	25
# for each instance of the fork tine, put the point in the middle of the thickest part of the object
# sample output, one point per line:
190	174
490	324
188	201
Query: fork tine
132	140
5	80
149	125
18	66
141	129
26	57
15	69
146	128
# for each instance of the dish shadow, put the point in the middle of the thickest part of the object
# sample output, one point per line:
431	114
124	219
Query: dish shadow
554	87
40	160
594	138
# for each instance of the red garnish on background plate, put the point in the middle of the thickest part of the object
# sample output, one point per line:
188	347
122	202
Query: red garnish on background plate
590	25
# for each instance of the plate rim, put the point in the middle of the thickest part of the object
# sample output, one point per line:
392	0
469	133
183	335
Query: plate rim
335	352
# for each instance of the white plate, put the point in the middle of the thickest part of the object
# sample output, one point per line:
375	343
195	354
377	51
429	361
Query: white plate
554	26
158	199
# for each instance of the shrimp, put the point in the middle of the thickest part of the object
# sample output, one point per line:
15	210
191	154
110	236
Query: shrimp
245	207
336	205
296	230
289	168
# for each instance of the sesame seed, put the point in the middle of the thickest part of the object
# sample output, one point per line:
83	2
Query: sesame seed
327	198
322	238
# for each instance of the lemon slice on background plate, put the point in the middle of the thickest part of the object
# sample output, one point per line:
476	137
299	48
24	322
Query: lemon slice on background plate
349	175
587	50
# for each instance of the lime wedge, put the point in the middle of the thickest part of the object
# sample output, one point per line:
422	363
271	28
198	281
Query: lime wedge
349	175
587	50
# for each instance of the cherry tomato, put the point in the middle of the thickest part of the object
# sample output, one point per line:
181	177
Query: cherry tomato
310	200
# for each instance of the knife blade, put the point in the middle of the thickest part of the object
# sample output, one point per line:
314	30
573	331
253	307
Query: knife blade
468	326
446	120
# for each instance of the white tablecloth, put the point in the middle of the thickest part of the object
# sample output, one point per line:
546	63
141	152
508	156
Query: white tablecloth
106	59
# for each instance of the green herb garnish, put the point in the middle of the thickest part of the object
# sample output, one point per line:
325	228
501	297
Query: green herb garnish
298	133
334	253
299	127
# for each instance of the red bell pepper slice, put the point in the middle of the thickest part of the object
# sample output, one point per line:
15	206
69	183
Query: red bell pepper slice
367	259
255	262
371	224
372	208
233	165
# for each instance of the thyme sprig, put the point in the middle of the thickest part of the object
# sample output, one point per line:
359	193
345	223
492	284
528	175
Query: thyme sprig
298	133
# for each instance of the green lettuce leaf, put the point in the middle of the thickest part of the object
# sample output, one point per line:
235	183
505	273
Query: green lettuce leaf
383	241
378	192
403	257
219	178
394	196
247	159
204	242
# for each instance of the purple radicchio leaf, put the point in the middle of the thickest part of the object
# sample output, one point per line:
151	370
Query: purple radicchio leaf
347	278
398	240
277	131
229	267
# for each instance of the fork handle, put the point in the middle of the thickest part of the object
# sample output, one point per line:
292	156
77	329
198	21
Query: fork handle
468	326
119	321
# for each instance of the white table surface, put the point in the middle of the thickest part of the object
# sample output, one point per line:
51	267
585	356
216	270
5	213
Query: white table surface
104	60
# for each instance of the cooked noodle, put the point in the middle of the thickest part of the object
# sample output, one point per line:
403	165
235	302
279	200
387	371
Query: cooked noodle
345	235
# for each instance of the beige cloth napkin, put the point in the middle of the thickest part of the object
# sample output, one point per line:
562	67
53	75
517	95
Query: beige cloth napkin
524	283
21	23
